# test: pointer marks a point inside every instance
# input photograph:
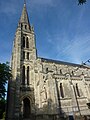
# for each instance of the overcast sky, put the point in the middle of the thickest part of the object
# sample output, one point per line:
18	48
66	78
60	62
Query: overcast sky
62	28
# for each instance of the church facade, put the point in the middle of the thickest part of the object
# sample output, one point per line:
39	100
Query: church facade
44	89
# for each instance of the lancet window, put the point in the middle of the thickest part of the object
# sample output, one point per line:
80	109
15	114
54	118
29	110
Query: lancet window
25	26
28	55
61	90
23	75
78	93
60	71
23	54
27	43
23	41
45	93
28	75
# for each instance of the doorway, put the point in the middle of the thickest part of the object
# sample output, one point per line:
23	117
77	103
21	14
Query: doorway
71	117
26	108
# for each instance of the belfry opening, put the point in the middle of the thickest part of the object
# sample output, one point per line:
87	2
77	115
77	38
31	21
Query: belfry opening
42	88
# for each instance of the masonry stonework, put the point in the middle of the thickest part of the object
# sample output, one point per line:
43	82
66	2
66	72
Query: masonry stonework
44	89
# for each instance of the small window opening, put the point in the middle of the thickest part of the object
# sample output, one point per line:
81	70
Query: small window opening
72	73
21	25
23	75
23	41
61	90
27	43
28	55
25	26
78	93
46	69
23	55
60	71
28	75
45	93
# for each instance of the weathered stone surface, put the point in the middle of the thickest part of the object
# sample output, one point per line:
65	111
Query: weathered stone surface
47	89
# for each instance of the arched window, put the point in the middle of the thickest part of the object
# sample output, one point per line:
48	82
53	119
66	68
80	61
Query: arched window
25	26
78	93
72	73
61	90
60	71
46	70
28	75
23	41
23	75
27	43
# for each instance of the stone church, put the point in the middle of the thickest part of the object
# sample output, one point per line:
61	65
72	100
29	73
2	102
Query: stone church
41	88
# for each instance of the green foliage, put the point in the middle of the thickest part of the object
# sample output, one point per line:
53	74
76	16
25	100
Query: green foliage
2	108
4	77
81	1
4	115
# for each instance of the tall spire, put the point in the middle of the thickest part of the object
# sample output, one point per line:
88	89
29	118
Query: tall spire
24	17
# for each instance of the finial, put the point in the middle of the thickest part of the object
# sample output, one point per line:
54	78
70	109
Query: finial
24	1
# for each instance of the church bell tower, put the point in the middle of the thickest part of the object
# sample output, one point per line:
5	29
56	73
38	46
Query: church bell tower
21	86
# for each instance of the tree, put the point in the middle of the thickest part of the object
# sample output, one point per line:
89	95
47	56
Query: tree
2	107
81	2
4	77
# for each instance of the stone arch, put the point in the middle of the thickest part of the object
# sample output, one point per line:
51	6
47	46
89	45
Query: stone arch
27	96
25	106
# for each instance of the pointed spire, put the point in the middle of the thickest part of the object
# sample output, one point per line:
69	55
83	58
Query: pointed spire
24	17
